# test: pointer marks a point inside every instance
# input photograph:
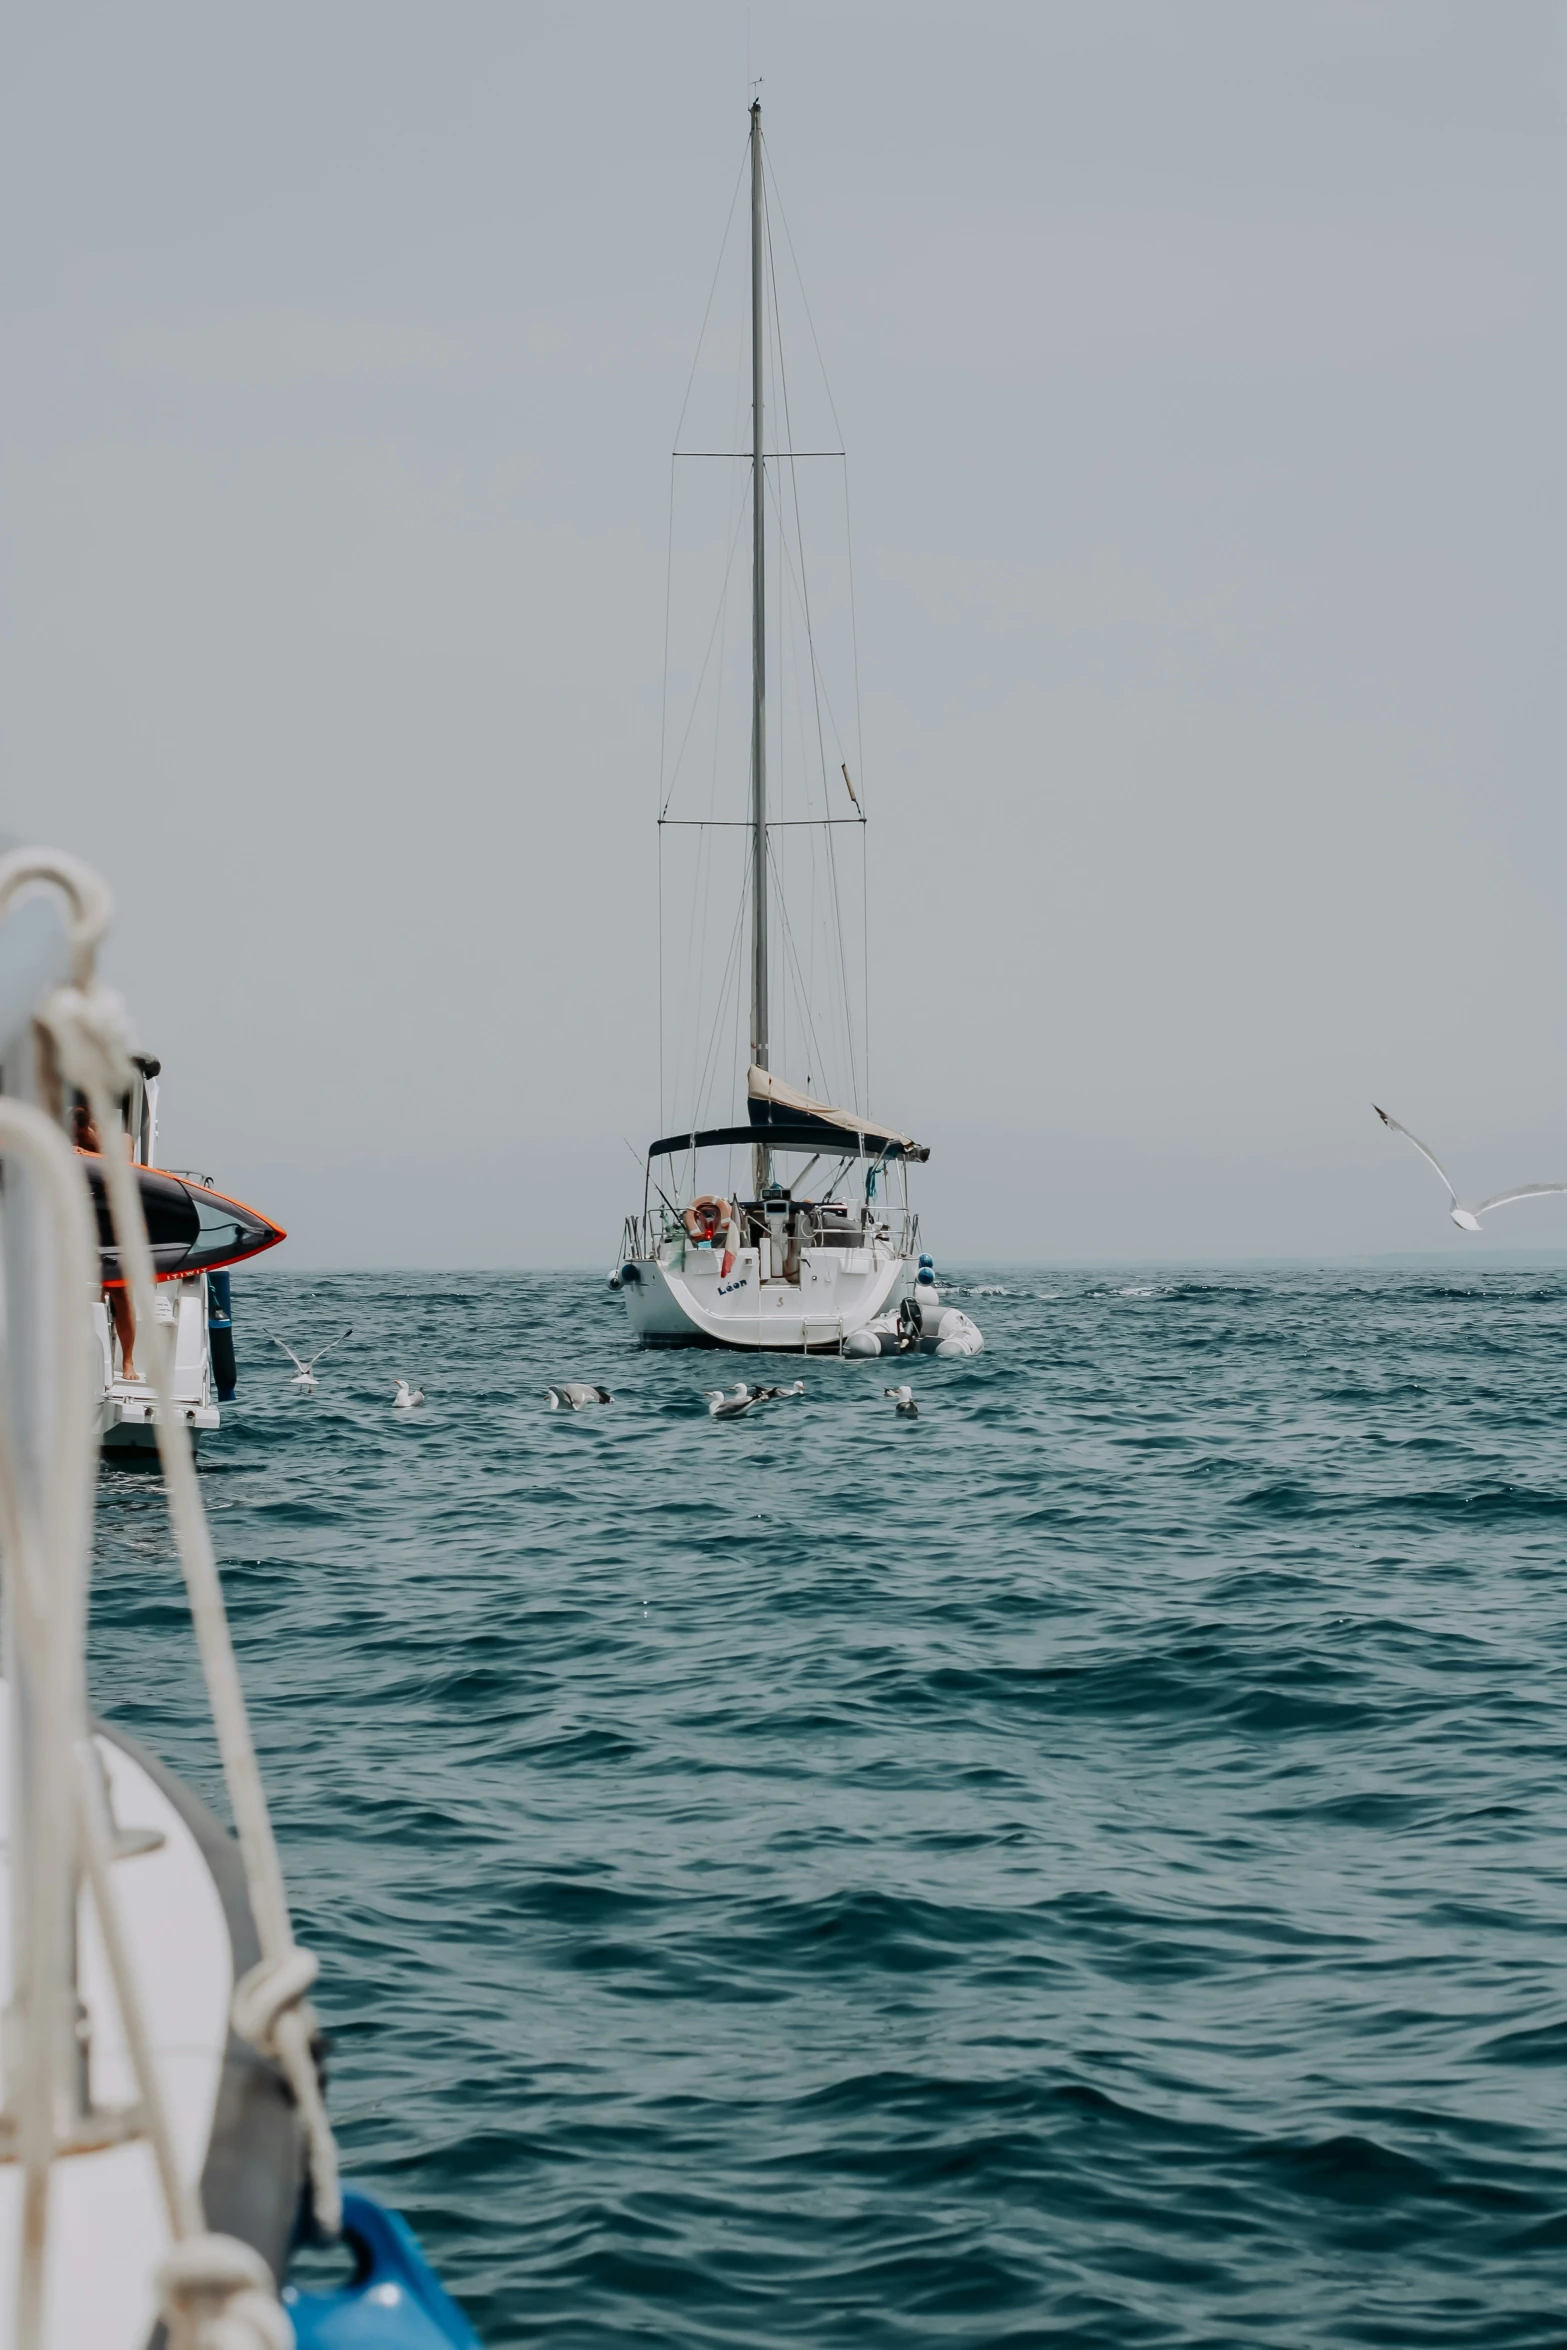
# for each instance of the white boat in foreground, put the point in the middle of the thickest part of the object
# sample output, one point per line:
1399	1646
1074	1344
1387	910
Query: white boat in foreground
819	1254
164	2141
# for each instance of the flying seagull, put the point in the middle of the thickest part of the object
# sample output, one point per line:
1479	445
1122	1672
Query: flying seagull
903	1397
406	1396
576	1395
305	1366
1468	1219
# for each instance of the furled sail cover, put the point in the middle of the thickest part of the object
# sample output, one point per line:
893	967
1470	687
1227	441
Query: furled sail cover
191	1229
772	1103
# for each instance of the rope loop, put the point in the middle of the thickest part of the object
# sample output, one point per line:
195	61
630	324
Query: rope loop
92	1037
267	1992
92	907
217	2294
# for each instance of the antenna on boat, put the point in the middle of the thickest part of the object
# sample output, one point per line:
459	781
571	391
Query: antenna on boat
761	1156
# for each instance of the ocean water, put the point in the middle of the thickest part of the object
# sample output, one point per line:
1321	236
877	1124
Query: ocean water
1086	1865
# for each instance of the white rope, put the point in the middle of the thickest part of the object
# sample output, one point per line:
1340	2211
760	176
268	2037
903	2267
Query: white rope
45	1522
91	1039
215	2292
218	2293
267	1993
91	905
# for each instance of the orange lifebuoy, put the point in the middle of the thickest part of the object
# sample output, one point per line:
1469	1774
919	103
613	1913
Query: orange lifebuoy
706	1217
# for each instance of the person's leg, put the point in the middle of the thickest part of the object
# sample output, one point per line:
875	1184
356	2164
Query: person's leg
124	1330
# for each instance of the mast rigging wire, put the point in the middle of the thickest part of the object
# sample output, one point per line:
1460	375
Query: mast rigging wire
802	590
854	628
796	583
794	954
696	698
696	358
669	559
703	888
731	959
790	563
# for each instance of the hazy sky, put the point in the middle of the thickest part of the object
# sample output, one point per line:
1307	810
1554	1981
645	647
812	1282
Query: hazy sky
1202	369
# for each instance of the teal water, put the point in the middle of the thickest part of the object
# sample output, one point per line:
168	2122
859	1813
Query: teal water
1088	1865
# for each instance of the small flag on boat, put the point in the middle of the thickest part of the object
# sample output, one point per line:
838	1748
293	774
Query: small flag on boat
853	794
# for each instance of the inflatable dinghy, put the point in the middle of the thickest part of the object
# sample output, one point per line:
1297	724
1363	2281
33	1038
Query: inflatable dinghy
921	1325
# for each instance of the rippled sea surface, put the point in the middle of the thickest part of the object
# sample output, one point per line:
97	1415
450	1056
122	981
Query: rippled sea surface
1085	1865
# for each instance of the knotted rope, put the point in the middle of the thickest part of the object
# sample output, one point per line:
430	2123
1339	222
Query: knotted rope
215	2292
92	1043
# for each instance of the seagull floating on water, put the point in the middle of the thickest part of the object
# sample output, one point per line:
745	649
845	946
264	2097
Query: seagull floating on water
728	1404
576	1395
903	1397
406	1396
305	1365
733	1402
1467	1219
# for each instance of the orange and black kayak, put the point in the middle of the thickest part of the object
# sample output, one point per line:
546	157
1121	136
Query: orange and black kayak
191	1228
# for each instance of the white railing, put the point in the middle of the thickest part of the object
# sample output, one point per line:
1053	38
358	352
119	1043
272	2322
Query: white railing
642	1236
639	1239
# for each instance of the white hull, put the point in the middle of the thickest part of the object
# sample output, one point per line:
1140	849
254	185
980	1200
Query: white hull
108	2226
682	1298
126	1421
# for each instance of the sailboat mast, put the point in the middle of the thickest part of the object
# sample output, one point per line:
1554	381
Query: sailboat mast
761	1156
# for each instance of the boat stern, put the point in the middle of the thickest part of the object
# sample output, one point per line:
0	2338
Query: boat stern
127	1413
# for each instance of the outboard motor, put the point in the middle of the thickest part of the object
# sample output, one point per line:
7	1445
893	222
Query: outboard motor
220	1334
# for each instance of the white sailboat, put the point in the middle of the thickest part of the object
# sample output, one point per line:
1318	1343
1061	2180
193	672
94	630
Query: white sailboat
837	1270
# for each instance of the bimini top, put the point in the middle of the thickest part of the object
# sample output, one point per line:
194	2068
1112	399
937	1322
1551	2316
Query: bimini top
792	1121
